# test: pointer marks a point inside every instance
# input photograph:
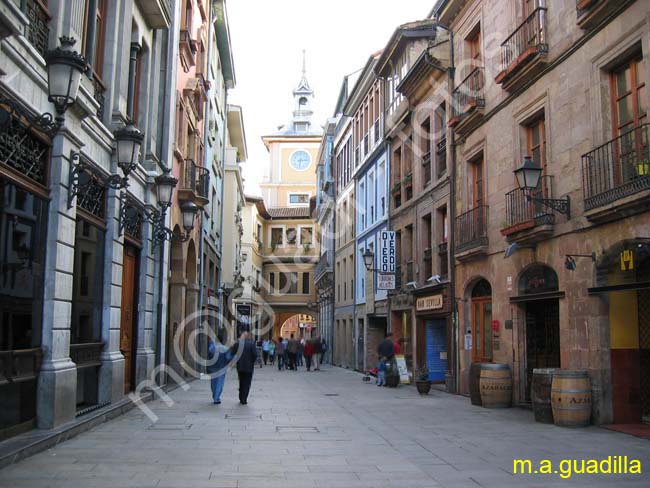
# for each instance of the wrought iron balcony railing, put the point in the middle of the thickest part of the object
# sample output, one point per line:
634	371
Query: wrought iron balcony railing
99	94
324	265
617	169
471	228
469	93
38	31
530	35
520	209
196	179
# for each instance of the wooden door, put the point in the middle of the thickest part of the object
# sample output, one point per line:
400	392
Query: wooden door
128	319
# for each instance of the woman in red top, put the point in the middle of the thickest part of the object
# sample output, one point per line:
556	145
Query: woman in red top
398	347
308	353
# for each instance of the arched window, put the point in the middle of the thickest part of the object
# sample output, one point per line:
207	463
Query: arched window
482	289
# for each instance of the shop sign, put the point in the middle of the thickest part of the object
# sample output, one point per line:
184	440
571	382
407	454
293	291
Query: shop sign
433	302
627	260
404	377
387	256
385	281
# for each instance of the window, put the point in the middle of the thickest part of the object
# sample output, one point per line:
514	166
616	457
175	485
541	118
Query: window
628	96
306	235
137	83
276	236
473	42
87	284
283	282
476	168
481	322
305	283
298	199
292	234
293	283
536	142
272	283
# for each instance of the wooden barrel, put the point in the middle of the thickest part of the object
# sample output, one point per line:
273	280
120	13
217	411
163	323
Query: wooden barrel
496	385
571	398
540	394
474	387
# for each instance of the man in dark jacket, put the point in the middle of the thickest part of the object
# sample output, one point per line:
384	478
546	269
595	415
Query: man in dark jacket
386	349
245	365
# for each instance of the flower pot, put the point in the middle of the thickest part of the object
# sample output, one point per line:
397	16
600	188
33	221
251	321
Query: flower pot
424	387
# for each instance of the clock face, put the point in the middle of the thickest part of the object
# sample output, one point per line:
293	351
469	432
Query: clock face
300	160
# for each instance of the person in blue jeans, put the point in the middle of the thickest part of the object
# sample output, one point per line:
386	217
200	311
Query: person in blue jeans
381	373
217	367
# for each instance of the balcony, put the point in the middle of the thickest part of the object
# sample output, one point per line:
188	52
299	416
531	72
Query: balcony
529	222
616	176
523	53
471	233
157	13
590	13
187	50
37	32
469	103
99	94
195	184
323	267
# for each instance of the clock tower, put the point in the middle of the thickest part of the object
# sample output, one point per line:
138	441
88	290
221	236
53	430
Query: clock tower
293	149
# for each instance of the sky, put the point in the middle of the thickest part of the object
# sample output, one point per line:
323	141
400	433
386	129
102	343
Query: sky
268	38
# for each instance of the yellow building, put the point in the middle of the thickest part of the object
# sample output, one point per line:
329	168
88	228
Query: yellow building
290	236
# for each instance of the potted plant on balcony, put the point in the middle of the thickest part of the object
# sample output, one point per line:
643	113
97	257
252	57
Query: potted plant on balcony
397	187
408	180
306	247
422	381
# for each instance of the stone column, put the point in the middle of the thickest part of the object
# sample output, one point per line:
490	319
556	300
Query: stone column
147	294
111	372
176	308
57	381
191	324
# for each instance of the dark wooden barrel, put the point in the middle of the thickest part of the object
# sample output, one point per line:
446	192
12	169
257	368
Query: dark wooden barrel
496	385
540	394
571	398
474	387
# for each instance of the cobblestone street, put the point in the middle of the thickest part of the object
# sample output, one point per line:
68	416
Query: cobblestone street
321	429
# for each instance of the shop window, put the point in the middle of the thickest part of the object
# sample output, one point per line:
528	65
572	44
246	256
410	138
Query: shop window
87	284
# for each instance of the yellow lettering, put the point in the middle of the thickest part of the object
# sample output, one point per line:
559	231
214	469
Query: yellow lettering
635	466
522	466
545	466
565	468
606	465
592	466
578	468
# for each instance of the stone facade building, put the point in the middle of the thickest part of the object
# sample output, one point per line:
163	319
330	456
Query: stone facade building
562	84
78	327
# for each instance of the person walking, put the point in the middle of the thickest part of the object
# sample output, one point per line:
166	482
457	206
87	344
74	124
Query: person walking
381	373
272	351
245	364
279	352
386	348
318	350
285	356
301	352
309	352
217	366
292	349
265	350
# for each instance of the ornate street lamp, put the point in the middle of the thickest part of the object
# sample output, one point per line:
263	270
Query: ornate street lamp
64	69
188	212
129	141
369	259
165	184
528	178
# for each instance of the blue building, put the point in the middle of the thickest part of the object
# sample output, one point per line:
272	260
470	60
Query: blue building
371	178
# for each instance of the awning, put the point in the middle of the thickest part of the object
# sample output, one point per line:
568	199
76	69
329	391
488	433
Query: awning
549	295
640	285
